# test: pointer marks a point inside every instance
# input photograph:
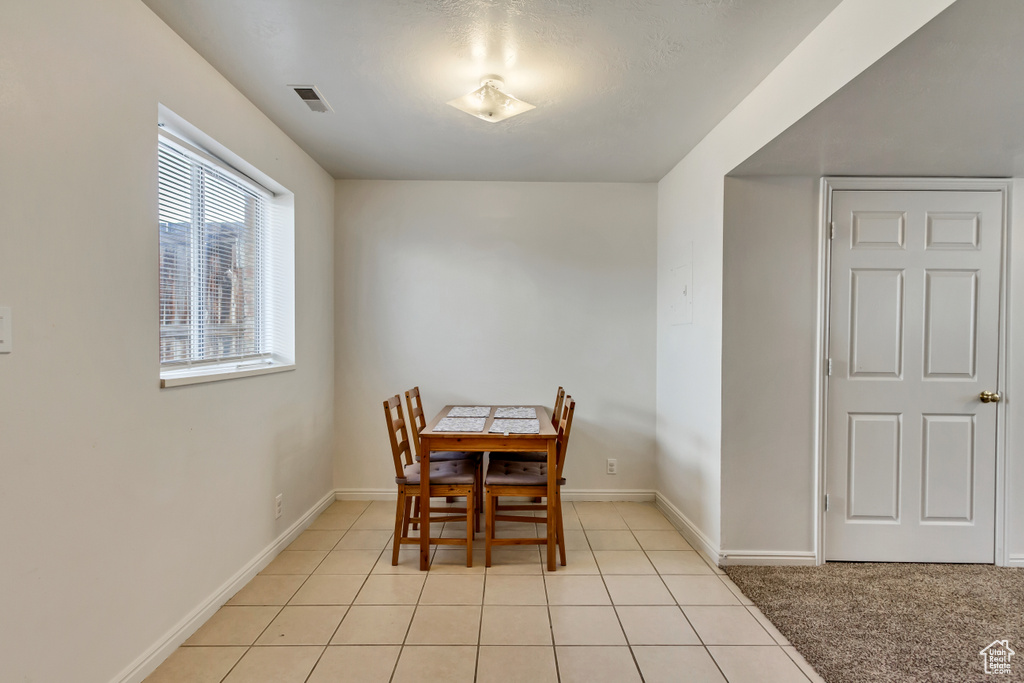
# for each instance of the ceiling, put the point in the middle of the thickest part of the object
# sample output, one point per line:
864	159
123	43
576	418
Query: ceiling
623	88
948	101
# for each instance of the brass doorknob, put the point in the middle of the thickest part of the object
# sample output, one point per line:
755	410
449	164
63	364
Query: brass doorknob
990	397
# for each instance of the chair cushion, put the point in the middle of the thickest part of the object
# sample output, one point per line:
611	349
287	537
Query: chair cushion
512	473
446	456
537	456
448	472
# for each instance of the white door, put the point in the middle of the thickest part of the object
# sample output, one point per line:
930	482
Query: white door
913	341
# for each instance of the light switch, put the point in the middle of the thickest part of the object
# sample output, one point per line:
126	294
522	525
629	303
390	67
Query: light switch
6	345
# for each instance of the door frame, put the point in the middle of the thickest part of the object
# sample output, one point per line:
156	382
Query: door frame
830	184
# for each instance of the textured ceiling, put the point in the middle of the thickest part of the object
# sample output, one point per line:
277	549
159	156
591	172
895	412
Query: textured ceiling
623	88
948	101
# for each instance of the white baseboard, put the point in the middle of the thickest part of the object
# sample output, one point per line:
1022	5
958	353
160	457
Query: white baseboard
694	536
1015	561
162	649
769	557
366	494
634	495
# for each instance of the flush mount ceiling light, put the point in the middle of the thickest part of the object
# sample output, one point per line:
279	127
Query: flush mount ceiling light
489	103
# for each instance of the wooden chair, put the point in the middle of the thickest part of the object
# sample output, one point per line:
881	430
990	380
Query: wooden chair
530	479
418	422
455	478
537	456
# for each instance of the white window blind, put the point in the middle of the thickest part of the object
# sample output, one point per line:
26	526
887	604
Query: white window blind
213	257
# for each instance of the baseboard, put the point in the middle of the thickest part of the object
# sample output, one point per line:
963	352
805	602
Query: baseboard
769	557
162	649
634	495
694	536
1015	561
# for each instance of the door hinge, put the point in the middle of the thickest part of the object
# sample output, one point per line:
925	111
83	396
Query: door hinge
829	367
826	502
832	230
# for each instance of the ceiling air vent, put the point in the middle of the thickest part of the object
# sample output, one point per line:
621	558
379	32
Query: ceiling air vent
312	97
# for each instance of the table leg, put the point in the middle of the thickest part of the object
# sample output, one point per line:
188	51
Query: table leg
552	511
424	504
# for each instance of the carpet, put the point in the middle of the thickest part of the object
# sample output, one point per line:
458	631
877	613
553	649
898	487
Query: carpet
866	622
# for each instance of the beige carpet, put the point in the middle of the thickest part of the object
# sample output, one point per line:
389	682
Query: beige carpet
859	623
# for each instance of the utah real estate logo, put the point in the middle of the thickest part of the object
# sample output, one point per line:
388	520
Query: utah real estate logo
997	657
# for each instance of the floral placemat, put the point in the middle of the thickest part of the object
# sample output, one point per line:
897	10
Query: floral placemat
460	424
528	413
470	411
515	426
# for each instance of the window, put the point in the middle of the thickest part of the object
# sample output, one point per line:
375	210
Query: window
218	290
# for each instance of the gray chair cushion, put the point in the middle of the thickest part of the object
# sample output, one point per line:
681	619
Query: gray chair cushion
450	472
511	473
537	456
446	456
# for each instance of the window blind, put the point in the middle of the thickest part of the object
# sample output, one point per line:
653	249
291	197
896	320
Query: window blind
213	242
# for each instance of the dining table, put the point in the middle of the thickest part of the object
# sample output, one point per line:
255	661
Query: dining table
439	436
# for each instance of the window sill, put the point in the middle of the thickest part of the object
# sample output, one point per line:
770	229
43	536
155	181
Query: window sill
218	373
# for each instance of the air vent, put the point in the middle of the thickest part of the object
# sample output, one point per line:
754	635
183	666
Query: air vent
312	97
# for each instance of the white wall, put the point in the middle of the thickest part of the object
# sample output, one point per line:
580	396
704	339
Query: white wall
1015	357
690	210
125	507
497	292
769	337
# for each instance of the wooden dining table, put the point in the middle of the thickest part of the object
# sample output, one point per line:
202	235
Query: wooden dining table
434	440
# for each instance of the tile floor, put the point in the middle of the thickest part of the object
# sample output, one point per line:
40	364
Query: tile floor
635	603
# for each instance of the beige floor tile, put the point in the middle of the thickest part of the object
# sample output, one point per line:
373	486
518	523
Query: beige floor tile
757	665
596	665
515	561
623	562
768	626
591	521
576	539
295	562
570	520
356	664
436	664
586	626
348	562
316	539
303	625
643	516
453	561
374	625
452	589
722	625
269	589
234	626
664	664
661	540
660	625
408	561
799	660
364	539
517	530
376	520
576	590
445	625
275	665
196	665
334	521
515	625
328	589
515	590
699	590
577	562
387	589
517	665
744	600
611	539
678	562
638	590
350	507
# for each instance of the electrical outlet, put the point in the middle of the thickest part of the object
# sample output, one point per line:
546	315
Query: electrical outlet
278	505
613	466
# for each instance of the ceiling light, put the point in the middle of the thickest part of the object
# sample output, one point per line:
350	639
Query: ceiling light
489	103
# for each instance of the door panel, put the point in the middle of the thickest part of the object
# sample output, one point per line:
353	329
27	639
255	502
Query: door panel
914	310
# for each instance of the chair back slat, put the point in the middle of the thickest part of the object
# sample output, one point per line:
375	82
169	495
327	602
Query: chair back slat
556	415
397	434
564	428
417	421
